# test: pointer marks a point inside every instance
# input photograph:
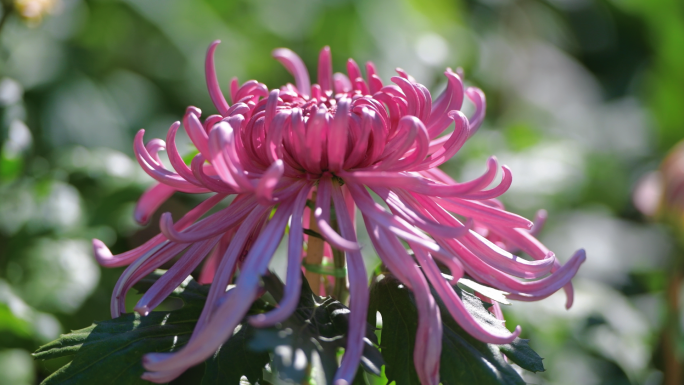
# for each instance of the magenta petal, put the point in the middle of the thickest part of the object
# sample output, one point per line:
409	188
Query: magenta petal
451	99
199	169
496	191
484	213
212	81
175	158
337	137
150	201
196	131
158	172
341	83
456	307
219	328
445	149
294	276
325	74
174	276
210	226
138	270
322	215
247	231
295	66
406	210
358	290
268	182
211	264
478	98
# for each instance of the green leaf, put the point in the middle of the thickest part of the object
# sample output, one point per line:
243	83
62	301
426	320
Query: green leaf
13	328
110	352
464	359
315	332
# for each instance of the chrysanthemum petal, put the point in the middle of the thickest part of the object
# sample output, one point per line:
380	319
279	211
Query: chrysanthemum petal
296	67
294	276
173	277
150	201
212	81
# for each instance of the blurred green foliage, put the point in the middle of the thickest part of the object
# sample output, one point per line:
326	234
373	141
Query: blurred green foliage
584	96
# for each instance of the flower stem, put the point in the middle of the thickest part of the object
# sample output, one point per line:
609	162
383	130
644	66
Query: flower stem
671	335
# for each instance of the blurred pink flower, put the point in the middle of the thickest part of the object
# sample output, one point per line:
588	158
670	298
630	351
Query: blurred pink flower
660	194
341	138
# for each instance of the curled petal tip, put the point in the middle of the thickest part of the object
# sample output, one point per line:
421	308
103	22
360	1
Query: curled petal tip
581	255
568	304
140	218
456	114
257	320
97	243
101	251
151	360
166	220
193	110
279	51
166	225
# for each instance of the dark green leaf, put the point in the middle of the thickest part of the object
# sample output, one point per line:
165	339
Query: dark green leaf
399	326
464	360
110	352
520	352
317	328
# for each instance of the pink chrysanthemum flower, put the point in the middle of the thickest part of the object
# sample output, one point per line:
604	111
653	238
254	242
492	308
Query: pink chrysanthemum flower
339	138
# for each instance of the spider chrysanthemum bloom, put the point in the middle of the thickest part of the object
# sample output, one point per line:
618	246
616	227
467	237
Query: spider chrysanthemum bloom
336	140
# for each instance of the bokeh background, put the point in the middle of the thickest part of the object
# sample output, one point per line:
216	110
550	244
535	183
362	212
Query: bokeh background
584	97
